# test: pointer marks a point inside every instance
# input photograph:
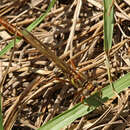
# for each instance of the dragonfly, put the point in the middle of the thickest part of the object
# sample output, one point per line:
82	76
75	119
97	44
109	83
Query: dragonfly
75	78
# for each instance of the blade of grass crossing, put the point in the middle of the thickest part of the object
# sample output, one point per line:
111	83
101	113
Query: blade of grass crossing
79	110
108	34
29	28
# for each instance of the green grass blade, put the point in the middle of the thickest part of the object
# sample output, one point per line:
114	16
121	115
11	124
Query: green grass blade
108	24
29	28
41	18
80	110
8	47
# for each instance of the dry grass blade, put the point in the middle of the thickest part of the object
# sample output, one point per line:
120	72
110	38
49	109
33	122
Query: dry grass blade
14	109
118	113
127	1
41	47
47	52
12	5
9	27
40	53
100	118
70	39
